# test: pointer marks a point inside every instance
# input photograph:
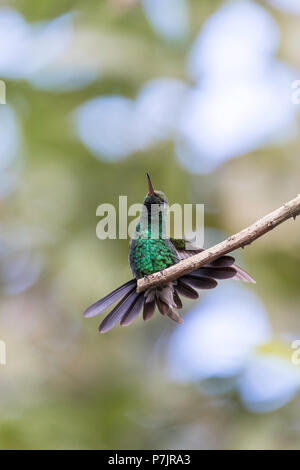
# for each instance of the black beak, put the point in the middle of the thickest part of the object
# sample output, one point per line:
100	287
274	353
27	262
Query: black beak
150	187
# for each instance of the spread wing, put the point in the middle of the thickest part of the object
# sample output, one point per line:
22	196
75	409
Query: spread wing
221	268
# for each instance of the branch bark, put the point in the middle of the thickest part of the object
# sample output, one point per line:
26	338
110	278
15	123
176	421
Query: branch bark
239	240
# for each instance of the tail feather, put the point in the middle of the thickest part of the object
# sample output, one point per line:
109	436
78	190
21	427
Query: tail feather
223	261
133	311
119	311
216	273
241	275
166	302
149	309
108	300
200	282
162	306
177	299
174	316
186	290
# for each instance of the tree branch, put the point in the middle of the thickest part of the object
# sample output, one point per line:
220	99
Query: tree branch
239	240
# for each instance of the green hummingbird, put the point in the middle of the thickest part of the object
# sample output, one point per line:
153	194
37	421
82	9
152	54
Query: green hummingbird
151	251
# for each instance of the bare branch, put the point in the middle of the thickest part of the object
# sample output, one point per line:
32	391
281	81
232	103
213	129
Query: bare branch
239	240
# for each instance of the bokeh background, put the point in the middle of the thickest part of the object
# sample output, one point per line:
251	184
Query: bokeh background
198	93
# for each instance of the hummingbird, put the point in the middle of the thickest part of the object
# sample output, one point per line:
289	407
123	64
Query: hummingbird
151	251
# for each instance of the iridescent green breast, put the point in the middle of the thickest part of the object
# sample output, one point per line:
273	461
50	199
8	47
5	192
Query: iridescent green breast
148	256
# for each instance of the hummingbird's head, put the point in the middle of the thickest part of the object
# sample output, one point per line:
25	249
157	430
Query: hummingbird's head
154	197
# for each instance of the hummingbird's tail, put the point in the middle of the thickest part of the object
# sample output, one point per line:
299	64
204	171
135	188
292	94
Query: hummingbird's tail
108	300
166	297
